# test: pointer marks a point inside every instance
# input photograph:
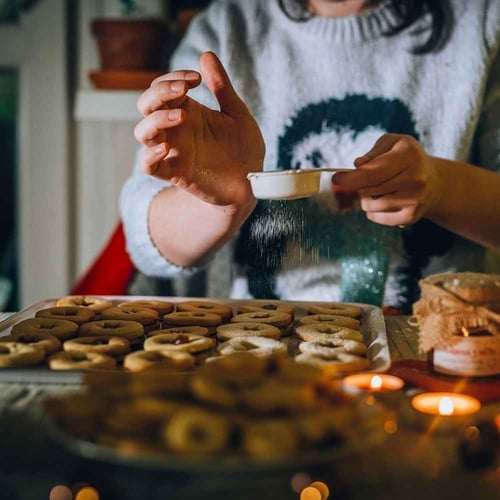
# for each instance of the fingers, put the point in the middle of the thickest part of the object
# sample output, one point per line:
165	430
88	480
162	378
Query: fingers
167	91
162	161
391	202
193	78
402	217
151	130
217	80
395	209
381	146
151	158
371	173
390	155
404	181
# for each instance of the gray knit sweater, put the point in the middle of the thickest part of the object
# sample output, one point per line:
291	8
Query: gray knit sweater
323	91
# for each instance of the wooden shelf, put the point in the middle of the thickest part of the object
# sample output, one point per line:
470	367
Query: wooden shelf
107	105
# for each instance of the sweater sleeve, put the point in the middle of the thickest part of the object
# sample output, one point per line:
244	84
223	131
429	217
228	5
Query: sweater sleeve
140	189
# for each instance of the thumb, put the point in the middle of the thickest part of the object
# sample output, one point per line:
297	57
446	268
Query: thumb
383	144
217	80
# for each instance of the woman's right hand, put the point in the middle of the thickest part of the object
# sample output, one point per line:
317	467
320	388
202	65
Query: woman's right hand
203	151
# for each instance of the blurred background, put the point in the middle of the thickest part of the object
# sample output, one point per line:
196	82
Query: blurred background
70	75
67	113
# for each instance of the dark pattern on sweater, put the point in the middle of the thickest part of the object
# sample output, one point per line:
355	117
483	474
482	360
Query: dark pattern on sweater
260	257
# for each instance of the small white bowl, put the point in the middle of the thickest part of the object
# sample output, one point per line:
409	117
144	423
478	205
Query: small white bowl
287	184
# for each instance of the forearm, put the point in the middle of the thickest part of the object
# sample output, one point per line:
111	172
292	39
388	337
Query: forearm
187	230
467	201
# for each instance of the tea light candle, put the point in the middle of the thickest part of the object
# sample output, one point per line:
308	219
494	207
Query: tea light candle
445	404
373	383
444	411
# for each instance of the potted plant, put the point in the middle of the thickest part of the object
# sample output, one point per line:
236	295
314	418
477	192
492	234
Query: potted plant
132	42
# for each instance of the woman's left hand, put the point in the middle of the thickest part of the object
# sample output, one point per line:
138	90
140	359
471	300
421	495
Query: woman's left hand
395	180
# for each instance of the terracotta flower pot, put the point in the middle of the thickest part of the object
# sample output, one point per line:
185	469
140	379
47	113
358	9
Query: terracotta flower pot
131	44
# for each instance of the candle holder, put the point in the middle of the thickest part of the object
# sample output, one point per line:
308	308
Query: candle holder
385	388
479	444
373	382
458	320
443	411
472	352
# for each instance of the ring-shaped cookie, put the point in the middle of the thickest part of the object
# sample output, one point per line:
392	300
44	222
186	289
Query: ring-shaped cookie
178	342
189	329
277	395
337	308
131	330
97	304
45	341
160	306
104	344
13	354
324	347
258	346
196	431
143	360
75	314
237	370
233	330
192	318
274	318
217	392
78	360
59	328
221	380
271	305
341	363
145	317
296	373
318	331
154	409
222	310
269	438
330	319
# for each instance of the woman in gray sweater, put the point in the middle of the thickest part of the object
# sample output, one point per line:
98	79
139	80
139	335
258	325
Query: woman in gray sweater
405	92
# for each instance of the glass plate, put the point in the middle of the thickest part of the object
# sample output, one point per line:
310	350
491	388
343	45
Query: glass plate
369	433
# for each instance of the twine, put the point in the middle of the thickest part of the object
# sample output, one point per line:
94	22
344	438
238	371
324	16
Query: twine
441	313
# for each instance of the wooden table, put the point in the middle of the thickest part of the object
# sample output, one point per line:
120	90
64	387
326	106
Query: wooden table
410	464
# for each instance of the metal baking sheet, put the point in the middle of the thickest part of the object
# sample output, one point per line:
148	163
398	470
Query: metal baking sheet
372	328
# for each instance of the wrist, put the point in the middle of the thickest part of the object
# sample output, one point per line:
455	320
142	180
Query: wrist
239	210
437	183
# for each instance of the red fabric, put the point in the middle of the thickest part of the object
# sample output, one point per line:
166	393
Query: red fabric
392	311
111	272
417	372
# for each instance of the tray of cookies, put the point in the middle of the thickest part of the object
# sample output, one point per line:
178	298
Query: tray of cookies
237	413
59	340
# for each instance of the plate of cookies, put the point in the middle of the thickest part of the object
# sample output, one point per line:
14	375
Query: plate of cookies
59	340
237	413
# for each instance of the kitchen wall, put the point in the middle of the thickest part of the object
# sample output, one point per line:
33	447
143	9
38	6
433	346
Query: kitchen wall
104	121
34	47
104	143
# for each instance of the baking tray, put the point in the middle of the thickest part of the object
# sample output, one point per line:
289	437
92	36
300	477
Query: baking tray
372	328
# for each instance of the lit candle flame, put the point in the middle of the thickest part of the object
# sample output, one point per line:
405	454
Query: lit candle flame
376	382
446	406
465	331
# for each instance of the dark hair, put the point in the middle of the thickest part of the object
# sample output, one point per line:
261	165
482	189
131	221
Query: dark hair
407	13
